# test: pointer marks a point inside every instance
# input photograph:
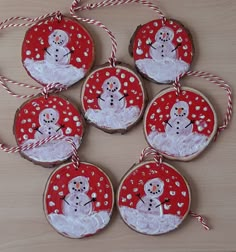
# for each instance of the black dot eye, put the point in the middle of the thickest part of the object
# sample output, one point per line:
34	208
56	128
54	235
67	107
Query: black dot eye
108	83
161	33
150	184
114	83
54	35
176	108
182	108
74	182
81	182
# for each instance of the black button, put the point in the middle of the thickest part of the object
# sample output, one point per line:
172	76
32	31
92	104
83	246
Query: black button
57	50
111	104
177	122
56	55
177	128
177	133
149	209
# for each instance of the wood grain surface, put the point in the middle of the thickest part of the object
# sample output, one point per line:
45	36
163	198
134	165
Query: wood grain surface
212	175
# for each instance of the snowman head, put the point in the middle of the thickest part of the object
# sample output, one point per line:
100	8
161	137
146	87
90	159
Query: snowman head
111	85
78	184
48	115
154	187
58	37
165	34
180	110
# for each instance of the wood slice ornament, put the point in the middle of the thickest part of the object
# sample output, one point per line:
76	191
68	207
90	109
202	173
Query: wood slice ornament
113	98
162	50
57	50
153	198
39	118
78	202
180	126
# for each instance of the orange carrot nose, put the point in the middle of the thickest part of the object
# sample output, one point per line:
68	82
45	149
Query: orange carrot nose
154	188
78	185
47	116
57	38
164	35
179	111
111	86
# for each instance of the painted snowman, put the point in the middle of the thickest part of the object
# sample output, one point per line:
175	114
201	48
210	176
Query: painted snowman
112	98
150	203
77	202
179	124
163	47
48	119
57	52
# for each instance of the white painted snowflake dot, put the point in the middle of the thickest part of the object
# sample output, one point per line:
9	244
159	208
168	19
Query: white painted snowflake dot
106	196
55	188
51	203
28	52
129	196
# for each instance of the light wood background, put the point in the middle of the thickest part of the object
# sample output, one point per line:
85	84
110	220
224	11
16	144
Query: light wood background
212	175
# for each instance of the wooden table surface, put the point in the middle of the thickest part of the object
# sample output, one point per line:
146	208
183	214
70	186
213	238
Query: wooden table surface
212	175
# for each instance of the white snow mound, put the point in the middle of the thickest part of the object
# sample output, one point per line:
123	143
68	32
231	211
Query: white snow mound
179	146
79	226
164	70
147	223
48	73
113	120
53	151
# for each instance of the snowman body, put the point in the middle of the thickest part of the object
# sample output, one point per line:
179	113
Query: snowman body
111	98
77	202
179	124
163	47
57	52
48	119
149	203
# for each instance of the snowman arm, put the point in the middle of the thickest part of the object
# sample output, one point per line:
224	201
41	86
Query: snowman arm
37	129
92	200
63	198
125	95
167	122
99	97
46	50
176	47
61	126
165	201
191	122
151	45
71	51
138	195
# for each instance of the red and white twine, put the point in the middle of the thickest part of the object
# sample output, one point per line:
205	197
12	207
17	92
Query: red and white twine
75	158
200	219
76	7
218	82
148	151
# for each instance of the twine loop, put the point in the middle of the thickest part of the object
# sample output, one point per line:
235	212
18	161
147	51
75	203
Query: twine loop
148	151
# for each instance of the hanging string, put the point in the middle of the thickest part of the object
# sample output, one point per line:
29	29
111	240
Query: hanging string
218	82
200	219
75	158
75	6
30	146
148	151
54	87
